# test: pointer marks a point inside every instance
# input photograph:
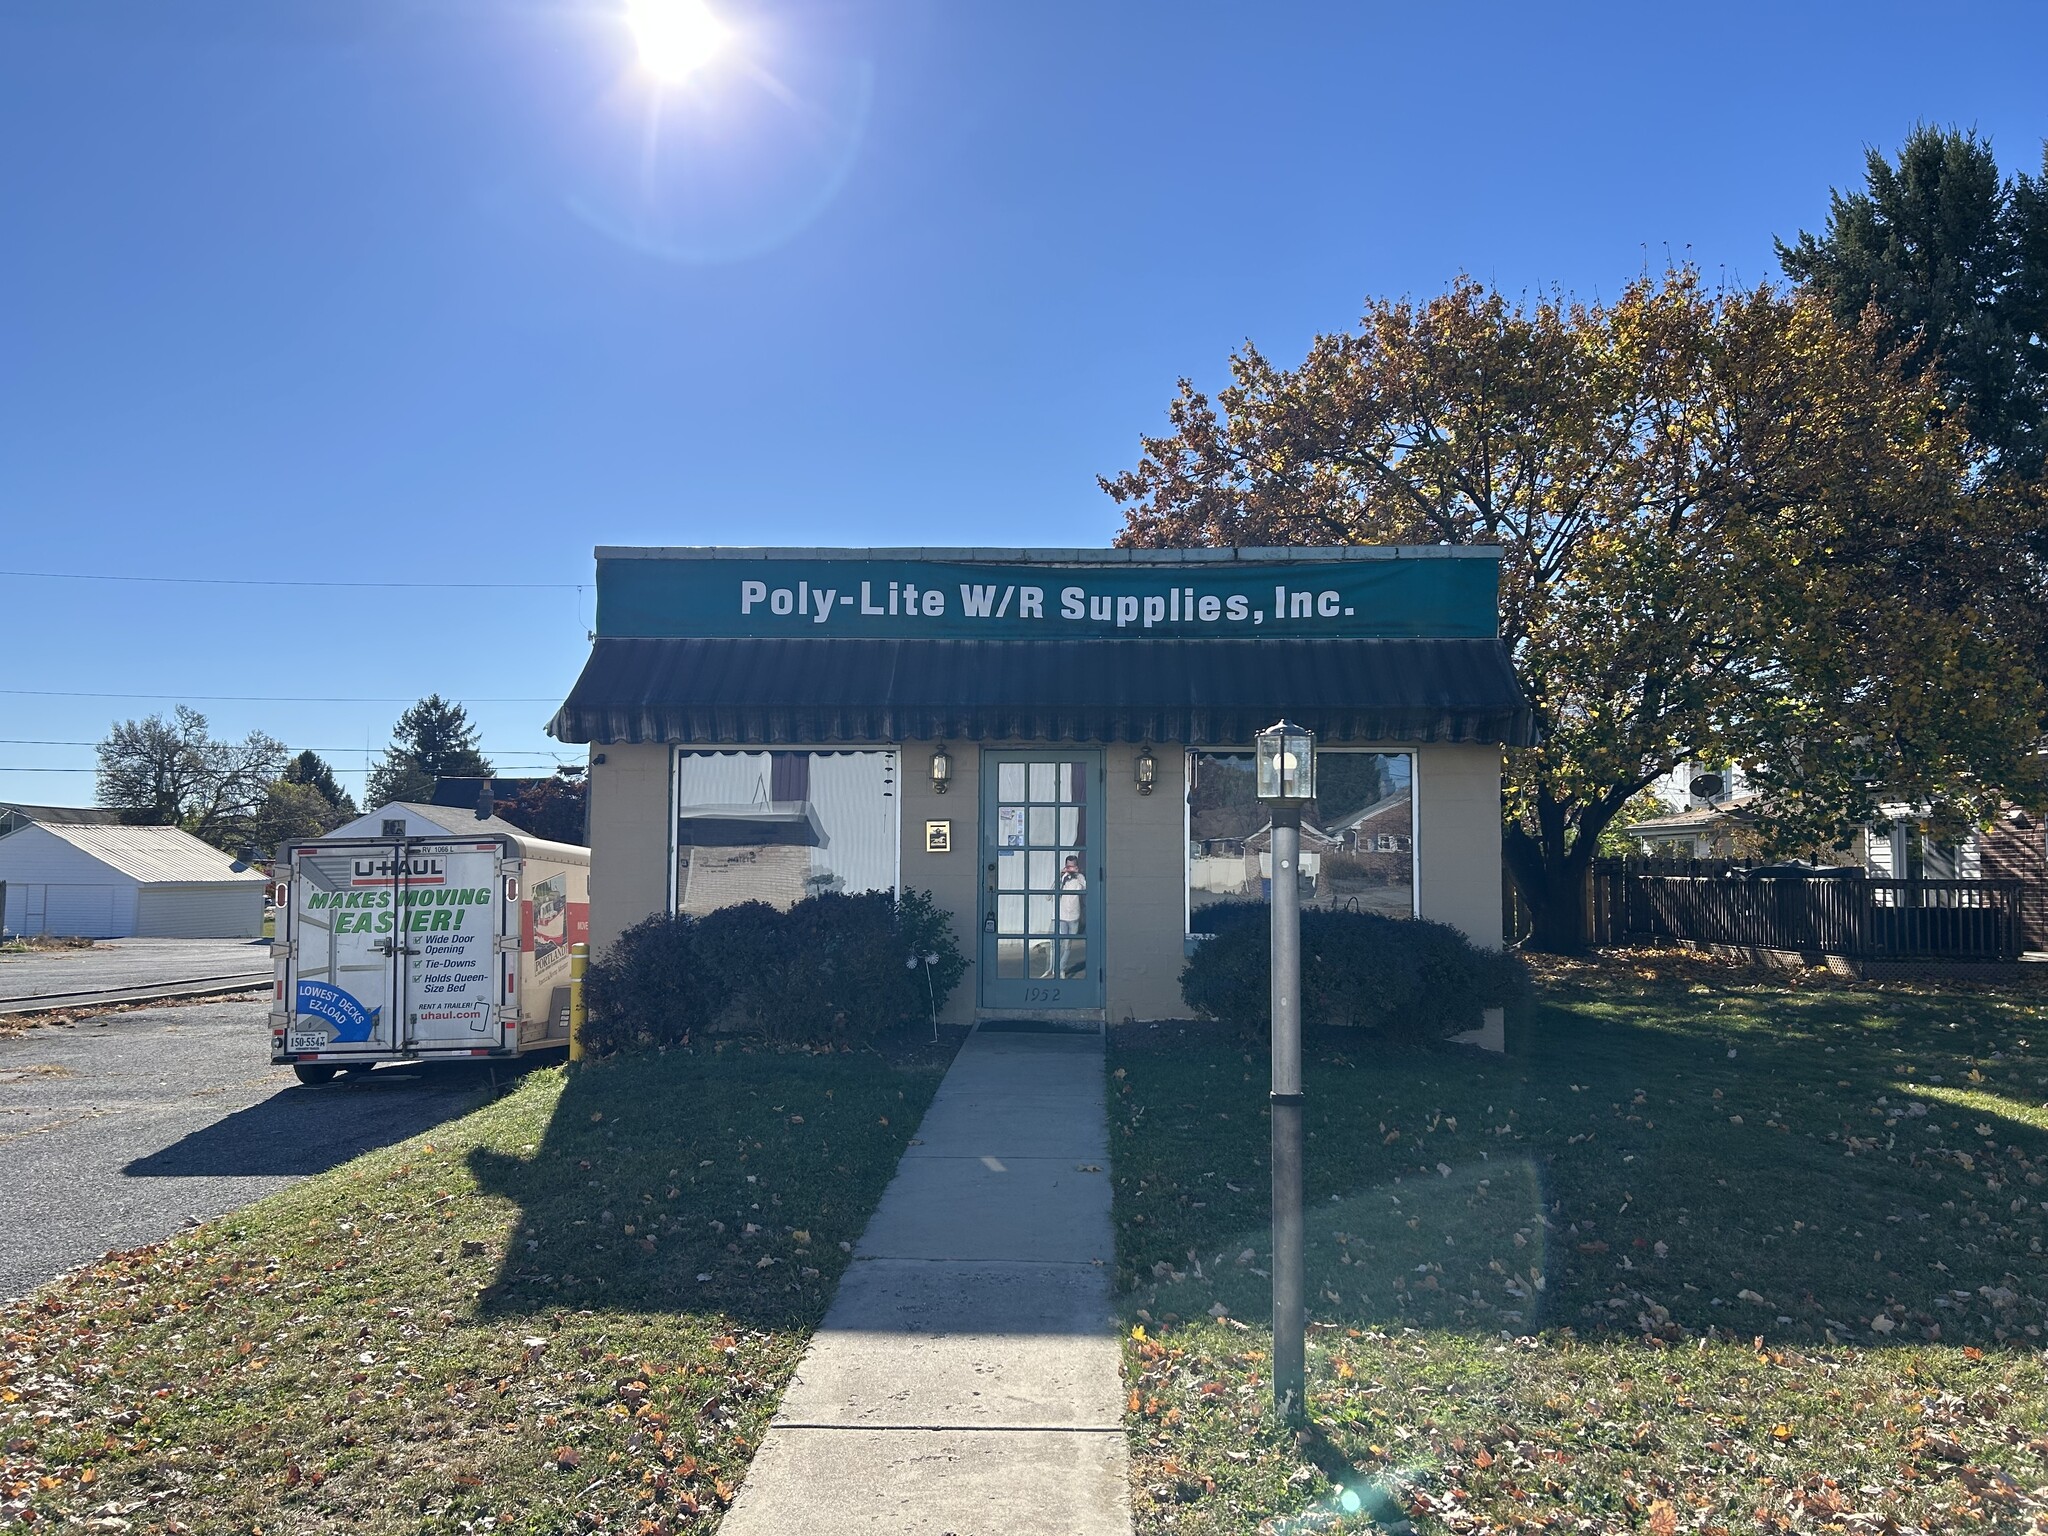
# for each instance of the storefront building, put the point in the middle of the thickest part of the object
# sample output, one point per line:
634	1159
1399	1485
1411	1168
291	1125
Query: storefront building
1056	744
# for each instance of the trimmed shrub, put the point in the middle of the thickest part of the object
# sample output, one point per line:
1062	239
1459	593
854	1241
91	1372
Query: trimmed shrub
833	968
649	988
1403	978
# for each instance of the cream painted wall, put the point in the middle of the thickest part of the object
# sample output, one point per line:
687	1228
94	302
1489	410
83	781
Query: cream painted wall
1457	854
952	878
1143	913
629	811
1146	908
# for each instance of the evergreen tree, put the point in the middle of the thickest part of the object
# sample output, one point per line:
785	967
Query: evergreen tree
432	740
311	769
1951	261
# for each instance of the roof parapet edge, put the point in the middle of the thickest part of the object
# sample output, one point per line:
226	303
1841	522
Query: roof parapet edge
1220	555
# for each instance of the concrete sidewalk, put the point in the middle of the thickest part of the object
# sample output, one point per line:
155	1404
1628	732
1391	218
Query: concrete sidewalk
966	1380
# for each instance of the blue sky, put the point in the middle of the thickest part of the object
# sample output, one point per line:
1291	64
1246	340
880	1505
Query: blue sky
403	292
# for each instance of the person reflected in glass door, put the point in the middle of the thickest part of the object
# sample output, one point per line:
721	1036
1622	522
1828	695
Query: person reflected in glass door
1073	900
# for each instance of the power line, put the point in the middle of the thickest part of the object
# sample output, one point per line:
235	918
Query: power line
31	741
256	581
248	698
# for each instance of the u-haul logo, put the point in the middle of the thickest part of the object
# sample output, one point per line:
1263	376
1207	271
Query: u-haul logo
385	871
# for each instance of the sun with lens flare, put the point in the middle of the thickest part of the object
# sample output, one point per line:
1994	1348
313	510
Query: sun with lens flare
676	37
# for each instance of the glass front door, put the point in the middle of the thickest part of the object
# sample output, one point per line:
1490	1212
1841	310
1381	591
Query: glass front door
1041	855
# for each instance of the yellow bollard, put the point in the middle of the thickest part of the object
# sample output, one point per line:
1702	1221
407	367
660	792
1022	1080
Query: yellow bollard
579	961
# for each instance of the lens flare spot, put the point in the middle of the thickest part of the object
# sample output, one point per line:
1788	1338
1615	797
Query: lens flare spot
676	38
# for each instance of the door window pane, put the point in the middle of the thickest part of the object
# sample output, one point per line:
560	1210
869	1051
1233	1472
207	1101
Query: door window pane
1044	825
1042	777
1010	827
1357	843
1010	871
1073	782
1042	913
1041	959
1009	781
1045	869
1070	824
1009	914
1073	958
1010	959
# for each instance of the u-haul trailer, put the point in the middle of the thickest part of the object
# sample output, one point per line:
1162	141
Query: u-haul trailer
448	946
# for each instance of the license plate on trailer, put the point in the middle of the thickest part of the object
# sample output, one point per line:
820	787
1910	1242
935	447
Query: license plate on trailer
306	1040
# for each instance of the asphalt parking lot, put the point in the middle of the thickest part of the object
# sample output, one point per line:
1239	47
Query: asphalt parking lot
116	1130
126	963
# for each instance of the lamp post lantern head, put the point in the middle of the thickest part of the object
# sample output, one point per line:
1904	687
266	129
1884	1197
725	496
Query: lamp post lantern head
1286	755
1145	769
942	769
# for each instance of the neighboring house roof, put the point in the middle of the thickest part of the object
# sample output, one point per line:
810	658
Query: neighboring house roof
425	821
60	815
1395	801
1687	823
156	855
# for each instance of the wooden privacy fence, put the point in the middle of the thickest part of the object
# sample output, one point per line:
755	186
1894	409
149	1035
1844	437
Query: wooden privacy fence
1849	914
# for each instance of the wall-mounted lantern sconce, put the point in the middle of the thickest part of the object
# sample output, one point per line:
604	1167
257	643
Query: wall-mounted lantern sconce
1145	770
942	769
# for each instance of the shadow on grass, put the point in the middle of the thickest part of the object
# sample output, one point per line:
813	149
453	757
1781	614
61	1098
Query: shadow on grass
723	1179
302	1131
1665	1161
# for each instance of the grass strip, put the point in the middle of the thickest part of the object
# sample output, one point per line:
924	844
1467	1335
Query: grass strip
1713	1253
572	1309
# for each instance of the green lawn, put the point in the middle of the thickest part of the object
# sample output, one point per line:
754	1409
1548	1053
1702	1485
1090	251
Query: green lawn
1710	1253
571	1310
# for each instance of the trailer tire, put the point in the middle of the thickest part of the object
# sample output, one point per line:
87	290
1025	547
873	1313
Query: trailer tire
313	1076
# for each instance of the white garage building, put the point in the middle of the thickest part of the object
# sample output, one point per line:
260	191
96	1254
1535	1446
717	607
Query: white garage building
114	882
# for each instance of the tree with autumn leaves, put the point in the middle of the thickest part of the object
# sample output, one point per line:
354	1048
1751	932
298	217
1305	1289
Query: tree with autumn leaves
1731	528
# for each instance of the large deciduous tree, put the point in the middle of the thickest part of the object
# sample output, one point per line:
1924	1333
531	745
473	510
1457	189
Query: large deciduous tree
175	773
432	740
1728	531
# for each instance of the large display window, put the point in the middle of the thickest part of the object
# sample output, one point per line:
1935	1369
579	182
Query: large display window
779	826
1357	836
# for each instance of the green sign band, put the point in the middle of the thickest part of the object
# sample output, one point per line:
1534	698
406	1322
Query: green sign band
746	598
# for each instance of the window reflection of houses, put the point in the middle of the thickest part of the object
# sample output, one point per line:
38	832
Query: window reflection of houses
780	826
1359	857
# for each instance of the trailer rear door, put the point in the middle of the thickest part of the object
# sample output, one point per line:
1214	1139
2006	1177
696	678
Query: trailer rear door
453	910
343	927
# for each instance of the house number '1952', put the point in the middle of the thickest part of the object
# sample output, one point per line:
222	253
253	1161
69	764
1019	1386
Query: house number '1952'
1041	994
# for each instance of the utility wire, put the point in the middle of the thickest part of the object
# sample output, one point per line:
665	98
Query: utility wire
249	698
257	581
31	741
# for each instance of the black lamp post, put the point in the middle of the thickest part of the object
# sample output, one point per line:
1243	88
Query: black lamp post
1286	759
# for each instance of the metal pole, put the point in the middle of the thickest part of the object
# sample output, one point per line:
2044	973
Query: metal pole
579	961
1289	1310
